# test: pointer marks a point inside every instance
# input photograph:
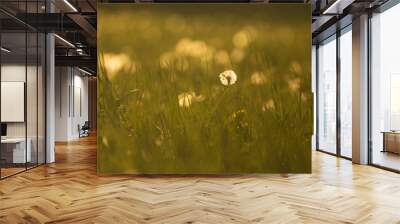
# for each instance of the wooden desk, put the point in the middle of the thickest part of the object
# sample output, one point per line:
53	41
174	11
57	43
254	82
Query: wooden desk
13	150
391	141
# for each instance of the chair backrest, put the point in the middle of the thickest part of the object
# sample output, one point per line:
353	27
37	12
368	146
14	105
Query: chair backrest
86	125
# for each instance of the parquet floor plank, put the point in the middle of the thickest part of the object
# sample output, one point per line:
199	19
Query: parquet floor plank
70	191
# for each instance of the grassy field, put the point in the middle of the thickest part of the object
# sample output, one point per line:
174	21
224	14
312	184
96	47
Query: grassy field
204	88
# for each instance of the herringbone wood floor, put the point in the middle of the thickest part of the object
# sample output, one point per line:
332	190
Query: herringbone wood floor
70	191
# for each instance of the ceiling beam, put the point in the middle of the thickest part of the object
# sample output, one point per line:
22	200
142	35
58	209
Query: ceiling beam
337	7
84	24
78	61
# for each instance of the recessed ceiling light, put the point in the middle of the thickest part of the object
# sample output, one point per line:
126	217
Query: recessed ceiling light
64	40
70	5
84	71
5	50
337	7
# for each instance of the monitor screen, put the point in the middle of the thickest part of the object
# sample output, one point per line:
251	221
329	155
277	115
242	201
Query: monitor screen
3	129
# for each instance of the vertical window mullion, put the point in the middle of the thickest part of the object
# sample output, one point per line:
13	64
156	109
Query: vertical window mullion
317	97
369	90
338	80
0	94
37	90
26	87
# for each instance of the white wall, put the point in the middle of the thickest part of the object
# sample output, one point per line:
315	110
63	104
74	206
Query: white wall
80	104
62	82
71	102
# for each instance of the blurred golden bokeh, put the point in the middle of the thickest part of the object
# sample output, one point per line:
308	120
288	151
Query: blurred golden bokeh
204	88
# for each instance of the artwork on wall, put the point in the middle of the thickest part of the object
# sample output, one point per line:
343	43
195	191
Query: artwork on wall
204	88
13	101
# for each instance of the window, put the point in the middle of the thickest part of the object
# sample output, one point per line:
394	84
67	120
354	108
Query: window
334	65
346	92
385	89
327	95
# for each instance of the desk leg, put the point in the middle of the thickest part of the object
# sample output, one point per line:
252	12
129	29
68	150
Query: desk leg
384	142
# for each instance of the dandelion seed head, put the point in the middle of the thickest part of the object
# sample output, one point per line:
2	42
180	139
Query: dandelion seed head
237	55
268	105
114	63
222	57
294	84
187	98
166	59
258	78
228	77
244	37
295	67
303	97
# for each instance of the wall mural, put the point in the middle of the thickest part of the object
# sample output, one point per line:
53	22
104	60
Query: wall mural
204	88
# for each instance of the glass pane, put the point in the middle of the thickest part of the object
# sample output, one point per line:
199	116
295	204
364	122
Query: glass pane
314	77
346	94
327	96
22	90
41	98
14	153
32	90
385	95
32	95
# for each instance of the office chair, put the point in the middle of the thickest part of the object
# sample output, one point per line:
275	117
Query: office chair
84	130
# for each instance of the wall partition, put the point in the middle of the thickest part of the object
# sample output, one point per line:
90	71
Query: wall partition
22	88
